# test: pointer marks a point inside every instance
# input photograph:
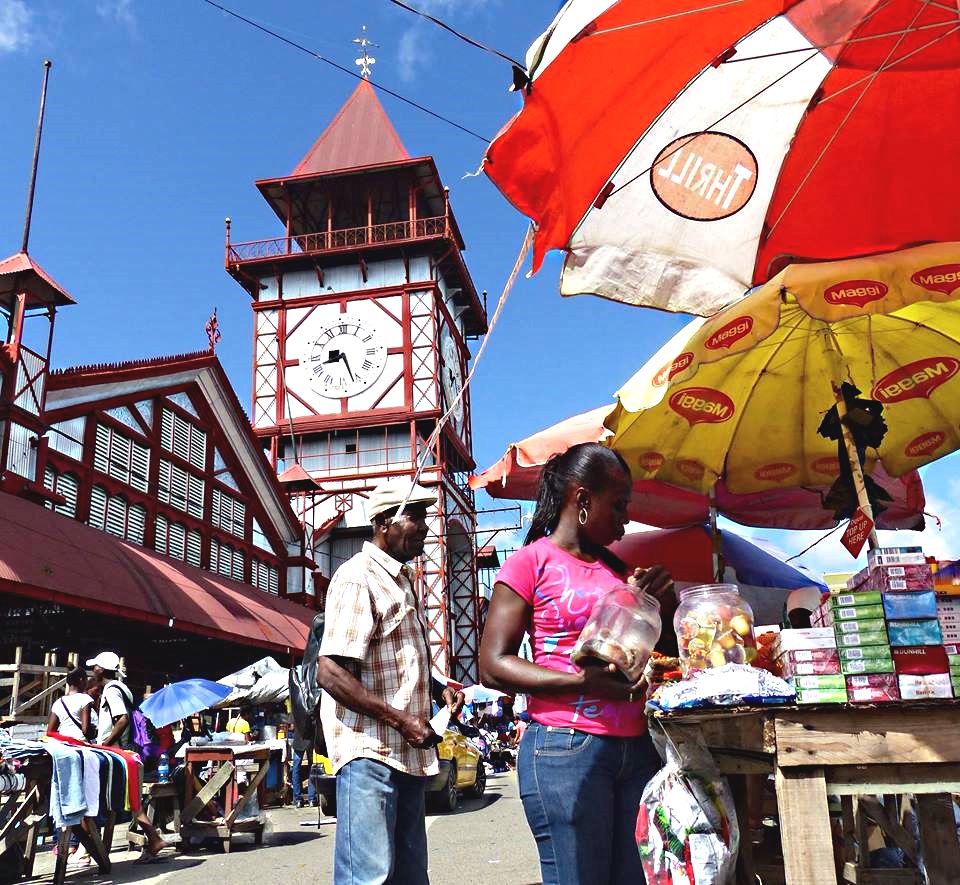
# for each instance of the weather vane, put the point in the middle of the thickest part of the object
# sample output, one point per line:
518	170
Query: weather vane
212	328
366	60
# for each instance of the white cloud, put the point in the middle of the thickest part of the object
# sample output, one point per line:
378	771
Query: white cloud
413	53
15	21
118	11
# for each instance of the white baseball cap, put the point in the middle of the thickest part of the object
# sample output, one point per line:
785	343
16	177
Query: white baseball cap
106	660
392	493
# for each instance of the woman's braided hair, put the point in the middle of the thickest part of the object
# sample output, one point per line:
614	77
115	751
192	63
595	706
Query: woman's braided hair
587	464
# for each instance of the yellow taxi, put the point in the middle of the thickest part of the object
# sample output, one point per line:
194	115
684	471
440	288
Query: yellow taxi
461	771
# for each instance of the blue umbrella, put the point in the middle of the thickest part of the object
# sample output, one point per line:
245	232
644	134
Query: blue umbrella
181	699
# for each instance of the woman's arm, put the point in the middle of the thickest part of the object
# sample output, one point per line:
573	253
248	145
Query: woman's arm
85	720
53	723
503	669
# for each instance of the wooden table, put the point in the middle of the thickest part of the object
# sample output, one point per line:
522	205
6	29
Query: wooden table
157	798
911	747
213	808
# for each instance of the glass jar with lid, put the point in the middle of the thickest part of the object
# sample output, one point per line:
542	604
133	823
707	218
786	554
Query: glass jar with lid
714	625
623	628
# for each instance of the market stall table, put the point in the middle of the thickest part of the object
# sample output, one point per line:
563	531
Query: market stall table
846	750
220	799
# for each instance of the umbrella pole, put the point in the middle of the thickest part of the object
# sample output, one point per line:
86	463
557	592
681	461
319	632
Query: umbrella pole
855	466
715	539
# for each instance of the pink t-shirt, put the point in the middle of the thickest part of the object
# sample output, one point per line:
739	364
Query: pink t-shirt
562	590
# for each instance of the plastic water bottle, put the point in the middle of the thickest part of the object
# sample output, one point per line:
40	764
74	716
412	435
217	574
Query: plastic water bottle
163	769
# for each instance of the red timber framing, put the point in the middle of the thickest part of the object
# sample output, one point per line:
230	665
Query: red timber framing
166	459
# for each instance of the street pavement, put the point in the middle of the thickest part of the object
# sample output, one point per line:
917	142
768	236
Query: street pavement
485	842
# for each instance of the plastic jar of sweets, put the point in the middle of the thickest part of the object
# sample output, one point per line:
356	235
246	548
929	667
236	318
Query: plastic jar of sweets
714	625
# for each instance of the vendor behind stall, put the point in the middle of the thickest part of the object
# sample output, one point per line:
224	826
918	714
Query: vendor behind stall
240	724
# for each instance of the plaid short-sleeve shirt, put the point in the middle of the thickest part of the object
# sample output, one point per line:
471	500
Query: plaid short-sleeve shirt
373	616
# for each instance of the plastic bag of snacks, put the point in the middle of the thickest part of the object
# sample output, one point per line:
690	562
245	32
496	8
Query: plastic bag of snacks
727	686
687	825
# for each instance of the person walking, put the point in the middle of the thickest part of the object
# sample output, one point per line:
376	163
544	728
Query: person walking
585	756
301	750
374	668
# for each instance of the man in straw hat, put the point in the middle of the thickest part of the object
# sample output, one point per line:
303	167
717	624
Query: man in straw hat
374	667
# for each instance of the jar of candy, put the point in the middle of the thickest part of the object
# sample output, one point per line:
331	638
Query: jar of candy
623	627
714	625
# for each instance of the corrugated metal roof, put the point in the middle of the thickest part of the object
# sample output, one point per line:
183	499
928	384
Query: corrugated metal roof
47	556
361	134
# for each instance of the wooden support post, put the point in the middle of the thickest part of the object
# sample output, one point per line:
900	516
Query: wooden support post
855	466
15	690
807	840
938	837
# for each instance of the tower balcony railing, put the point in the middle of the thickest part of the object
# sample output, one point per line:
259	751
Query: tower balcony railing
337	240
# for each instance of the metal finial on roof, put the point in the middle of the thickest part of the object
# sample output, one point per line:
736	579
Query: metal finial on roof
366	61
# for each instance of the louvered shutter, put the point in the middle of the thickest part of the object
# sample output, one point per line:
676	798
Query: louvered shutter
193	548
116	523
161	534
98	507
274	576
198	448
237	570
101	450
195	496
166	430
119	457
178	537
49	478
136	523
69	486
139	466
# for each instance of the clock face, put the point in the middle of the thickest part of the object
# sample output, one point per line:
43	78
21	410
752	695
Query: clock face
346	357
451	376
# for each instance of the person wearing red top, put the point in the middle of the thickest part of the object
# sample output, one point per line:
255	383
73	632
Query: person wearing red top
585	756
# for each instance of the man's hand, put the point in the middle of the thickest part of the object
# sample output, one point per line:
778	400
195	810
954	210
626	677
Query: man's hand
454	700
418	733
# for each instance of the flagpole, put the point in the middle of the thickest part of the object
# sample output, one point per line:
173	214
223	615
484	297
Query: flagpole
47	64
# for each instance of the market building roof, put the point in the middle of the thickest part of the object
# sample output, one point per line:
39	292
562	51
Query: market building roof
69	563
21	272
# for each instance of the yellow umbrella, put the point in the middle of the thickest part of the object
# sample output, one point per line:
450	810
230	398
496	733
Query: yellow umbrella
741	395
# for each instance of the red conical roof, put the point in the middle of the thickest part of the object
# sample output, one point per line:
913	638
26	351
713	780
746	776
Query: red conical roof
361	134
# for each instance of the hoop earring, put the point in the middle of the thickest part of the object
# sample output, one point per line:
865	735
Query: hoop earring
582	516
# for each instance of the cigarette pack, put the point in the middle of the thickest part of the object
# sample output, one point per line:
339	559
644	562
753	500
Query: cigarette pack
896	556
809	668
806	638
860	625
920	660
805	655
894	577
904	606
947	590
822	696
955	684
923	632
949	605
867	665
867	637
952	649
862	612
872	695
935	685
954	667
866	653
805	683
872	680
858	598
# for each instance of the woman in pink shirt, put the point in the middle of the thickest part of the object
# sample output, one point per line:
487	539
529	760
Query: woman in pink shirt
585	757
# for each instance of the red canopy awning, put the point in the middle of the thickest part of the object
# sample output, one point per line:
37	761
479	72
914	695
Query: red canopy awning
47	556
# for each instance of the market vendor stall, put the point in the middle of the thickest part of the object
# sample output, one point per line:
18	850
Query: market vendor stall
224	792
847	750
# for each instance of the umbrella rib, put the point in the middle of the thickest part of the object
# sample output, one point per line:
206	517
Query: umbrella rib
870	79
663	18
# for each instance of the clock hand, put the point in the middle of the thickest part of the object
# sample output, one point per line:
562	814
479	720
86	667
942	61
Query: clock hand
334	357
343	356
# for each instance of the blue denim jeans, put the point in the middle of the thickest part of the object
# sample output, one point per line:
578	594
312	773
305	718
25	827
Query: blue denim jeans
296	775
581	793
381	828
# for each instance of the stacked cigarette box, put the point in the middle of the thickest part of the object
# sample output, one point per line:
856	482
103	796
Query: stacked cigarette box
811	664
953	662
910	662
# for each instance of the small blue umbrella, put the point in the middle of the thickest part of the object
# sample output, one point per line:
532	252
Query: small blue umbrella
181	699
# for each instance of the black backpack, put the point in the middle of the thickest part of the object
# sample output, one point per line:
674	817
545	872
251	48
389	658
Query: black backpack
304	691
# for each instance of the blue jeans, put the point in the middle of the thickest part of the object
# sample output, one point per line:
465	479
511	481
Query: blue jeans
581	793
381	827
296	776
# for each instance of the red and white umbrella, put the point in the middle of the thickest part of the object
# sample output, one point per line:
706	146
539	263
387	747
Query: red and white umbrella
680	151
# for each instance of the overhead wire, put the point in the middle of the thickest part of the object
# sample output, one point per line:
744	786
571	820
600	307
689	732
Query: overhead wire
345	70
440	23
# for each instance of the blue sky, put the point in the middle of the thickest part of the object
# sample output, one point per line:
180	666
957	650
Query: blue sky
161	116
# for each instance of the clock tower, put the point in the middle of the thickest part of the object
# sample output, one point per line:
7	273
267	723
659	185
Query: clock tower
363	309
